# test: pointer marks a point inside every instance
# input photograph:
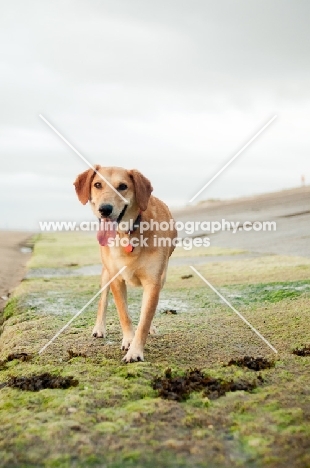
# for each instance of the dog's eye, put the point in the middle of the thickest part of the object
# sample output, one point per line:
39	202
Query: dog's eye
98	185
122	187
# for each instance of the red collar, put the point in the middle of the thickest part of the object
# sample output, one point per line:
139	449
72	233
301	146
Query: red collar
129	248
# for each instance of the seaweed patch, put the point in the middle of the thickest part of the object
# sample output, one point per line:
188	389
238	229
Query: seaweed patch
73	354
24	357
179	388
305	351
34	383
256	364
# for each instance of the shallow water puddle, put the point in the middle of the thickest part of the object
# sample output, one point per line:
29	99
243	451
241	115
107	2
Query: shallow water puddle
53	303
89	270
25	250
172	304
93	270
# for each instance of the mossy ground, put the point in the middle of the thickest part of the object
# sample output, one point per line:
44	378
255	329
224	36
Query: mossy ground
114	417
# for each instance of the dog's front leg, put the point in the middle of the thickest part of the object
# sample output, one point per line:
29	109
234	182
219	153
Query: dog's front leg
149	304
99	330
119	291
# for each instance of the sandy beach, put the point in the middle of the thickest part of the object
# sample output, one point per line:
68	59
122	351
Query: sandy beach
290	209
14	257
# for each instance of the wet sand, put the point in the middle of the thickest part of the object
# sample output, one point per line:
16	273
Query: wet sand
13	261
290	209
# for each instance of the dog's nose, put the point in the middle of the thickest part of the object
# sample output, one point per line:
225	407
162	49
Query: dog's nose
105	210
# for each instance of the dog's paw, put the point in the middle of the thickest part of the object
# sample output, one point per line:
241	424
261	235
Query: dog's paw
153	330
127	339
98	331
133	355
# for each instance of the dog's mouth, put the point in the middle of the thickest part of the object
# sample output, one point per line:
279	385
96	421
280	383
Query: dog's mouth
108	228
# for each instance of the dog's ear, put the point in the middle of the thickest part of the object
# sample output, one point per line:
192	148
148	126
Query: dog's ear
82	184
143	188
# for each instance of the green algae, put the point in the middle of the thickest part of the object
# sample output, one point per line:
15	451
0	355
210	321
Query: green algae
113	417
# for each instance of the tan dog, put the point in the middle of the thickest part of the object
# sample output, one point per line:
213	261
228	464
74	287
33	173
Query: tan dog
146	265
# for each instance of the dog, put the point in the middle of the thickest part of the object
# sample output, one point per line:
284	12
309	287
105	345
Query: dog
120	198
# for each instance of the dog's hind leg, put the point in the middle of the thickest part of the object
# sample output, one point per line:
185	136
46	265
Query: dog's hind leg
99	330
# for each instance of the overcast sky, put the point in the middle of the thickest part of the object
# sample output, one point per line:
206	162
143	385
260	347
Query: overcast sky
173	88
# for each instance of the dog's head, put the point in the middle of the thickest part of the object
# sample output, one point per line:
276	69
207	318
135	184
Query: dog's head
104	192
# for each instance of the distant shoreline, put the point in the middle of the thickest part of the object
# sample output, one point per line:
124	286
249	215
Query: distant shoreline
13	261
214	202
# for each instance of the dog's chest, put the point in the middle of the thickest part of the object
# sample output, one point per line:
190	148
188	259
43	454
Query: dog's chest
116	259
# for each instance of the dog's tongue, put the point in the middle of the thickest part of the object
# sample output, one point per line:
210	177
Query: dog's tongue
107	230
